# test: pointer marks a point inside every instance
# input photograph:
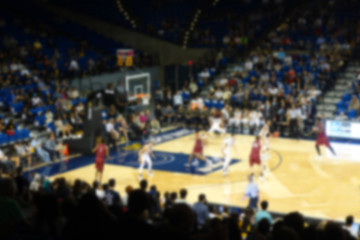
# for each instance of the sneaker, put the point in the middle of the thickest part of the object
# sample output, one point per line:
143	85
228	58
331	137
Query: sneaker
210	165
150	174
225	173
140	177
318	157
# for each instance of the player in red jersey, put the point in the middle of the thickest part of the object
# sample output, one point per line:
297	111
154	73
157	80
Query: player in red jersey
321	138
101	150
198	150
254	158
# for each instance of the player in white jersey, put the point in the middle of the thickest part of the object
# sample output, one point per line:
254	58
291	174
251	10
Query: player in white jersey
235	121
226	149
144	158
264	138
217	126
264	135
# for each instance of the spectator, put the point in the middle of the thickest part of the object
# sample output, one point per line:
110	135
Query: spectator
122	127
49	116
169	114
349	221
159	113
128	190
226	94
2	126
75	121
112	133
35	184
294	114
168	99
99	191
50	146
201	210
10	128
178	100
112	197
5	161
23	152
354	104
37	145
341	117
263	214
63	126
155	126
218	93
22	184
193	88
134	223
11	215
35	100
183	195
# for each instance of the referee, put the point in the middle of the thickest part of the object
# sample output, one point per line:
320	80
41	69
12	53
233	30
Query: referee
252	192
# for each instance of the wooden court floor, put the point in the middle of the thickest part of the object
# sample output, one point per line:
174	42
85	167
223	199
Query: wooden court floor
329	188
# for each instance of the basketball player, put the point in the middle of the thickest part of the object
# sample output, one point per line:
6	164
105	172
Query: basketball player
264	137
255	155
228	144
198	150
217	125
235	121
321	138
144	158
101	150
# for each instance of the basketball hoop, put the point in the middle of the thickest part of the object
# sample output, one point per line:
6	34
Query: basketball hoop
145	98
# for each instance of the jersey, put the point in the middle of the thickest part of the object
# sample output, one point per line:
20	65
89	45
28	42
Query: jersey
198	148
264	131
237	114
100	157
101	151
255	153
321	136
228	143
147	150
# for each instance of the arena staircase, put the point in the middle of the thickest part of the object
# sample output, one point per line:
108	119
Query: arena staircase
327	106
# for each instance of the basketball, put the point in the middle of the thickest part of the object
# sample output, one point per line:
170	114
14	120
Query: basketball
276	134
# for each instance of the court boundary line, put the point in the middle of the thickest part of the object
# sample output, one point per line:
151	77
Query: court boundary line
238	181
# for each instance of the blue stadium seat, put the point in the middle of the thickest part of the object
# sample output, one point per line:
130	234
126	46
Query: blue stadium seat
346	98
220	105
40	120
352	114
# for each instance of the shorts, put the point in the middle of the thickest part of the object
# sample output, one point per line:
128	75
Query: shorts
322	141
99	164
255	160
198	151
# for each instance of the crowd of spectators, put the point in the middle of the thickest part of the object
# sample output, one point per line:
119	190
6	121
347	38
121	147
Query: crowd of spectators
43	209
279	81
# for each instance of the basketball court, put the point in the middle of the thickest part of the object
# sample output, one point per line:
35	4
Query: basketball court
329	188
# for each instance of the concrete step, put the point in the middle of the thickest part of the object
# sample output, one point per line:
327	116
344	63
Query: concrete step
334	94
344	80
331	93
353	68
330	107
331	100
320	107
326	114
349	74
340	87
354	65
